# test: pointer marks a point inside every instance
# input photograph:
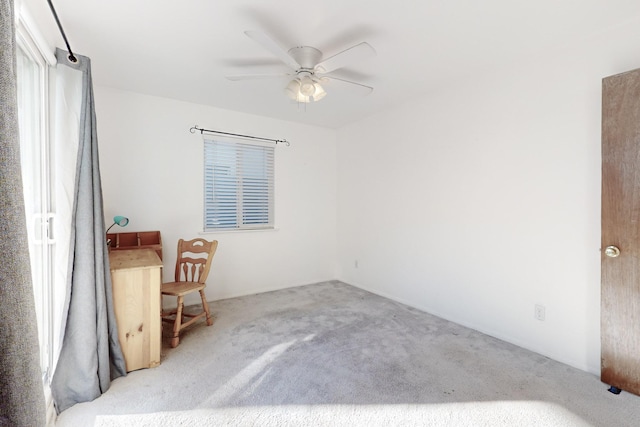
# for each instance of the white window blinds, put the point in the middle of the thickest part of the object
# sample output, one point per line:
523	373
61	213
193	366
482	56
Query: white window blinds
238	185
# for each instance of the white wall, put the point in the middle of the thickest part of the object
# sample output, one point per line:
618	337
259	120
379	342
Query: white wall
473	203
152	173
483	199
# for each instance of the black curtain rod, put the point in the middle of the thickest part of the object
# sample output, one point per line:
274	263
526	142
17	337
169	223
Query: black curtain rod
71	56
275	141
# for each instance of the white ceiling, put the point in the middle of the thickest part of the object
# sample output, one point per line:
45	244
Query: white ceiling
183	49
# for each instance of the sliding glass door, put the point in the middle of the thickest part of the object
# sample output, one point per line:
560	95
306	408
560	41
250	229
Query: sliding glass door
32	71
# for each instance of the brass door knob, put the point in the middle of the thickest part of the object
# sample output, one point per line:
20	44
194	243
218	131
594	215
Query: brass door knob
612	251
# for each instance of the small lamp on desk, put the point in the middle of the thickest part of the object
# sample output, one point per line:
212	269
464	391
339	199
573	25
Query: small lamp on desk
122	221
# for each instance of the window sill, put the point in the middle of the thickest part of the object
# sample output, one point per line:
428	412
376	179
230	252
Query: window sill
242	230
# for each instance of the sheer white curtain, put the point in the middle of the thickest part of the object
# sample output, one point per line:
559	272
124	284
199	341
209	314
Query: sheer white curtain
65	117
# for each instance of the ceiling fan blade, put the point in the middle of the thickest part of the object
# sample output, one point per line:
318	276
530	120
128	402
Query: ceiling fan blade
273	47
353	87
352	55
237	77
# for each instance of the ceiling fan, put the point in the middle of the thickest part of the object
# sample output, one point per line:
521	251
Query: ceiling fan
309	70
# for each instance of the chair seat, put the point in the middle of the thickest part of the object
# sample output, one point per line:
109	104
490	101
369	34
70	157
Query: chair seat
180	288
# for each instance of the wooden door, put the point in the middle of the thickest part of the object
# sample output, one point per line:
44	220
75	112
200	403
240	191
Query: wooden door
620	304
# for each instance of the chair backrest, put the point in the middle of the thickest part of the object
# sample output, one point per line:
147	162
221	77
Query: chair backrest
194	260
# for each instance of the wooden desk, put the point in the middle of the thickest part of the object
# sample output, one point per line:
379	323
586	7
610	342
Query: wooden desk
136	276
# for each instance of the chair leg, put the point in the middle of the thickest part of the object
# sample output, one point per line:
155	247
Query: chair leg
205	305
175	340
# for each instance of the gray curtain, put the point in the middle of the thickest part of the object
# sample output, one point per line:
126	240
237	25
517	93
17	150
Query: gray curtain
90	356
21	389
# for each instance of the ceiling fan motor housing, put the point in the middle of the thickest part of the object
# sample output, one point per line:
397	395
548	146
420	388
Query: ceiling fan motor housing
308	57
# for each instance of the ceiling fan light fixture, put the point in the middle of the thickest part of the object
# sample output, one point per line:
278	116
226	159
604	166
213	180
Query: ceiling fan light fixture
304	90
307	87
319	93
293	89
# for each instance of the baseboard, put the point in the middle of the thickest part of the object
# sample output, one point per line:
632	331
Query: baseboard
195	300
264	290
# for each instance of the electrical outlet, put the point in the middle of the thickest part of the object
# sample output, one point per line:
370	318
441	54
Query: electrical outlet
355	263
539	312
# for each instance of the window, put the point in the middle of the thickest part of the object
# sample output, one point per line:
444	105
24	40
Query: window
238	185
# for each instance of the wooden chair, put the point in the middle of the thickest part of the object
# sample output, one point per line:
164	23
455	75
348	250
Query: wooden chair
192	268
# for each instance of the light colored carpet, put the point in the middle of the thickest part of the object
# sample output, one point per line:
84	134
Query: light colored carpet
520	414
332	354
